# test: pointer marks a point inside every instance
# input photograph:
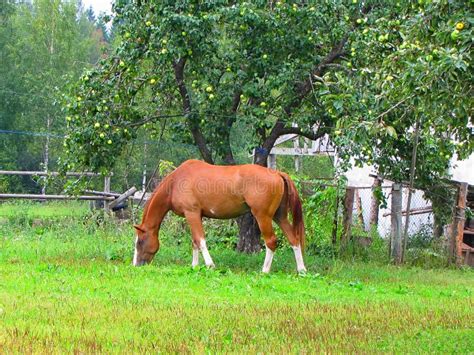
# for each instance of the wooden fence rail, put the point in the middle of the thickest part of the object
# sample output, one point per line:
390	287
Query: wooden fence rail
46	173
105	195
54	197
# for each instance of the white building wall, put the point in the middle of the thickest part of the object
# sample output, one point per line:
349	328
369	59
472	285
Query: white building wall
463	170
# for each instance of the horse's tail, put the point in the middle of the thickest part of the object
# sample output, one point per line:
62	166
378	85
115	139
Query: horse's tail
294	205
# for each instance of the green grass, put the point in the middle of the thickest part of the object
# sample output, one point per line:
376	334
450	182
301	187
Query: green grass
69	286
43	210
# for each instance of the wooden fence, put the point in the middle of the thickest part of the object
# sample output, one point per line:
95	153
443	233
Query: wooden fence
111	199
457	247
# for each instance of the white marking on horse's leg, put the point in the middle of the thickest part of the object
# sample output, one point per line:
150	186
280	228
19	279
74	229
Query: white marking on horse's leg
267	264
299	258
206	255
135	254
195	257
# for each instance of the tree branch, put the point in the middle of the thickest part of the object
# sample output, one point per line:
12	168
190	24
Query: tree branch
304	88
307	134
301	90
151	119
228	155
199	139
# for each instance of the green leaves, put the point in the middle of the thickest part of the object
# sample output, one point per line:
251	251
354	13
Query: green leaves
44	44
391	131
253	55
416	69
247	64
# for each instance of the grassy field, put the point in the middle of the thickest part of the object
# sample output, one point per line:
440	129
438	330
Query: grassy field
66	284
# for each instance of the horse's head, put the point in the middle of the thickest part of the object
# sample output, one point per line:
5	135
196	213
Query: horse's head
146	246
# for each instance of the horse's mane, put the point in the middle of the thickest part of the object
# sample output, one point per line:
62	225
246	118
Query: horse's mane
160	185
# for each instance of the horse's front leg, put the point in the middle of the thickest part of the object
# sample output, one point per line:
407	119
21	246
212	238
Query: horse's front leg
199	242
195	256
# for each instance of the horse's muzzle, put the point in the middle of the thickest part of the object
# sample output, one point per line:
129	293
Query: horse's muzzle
140	263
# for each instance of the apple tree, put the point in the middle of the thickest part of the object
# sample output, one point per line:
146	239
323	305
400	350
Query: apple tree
417	74
204	66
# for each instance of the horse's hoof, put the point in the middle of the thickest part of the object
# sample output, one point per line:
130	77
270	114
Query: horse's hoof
302	272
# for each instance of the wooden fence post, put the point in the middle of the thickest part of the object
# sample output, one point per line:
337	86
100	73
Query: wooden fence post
374	204
396	225
335	220
359	210
271	161
106	190
122	197
347	216
457	227
298	158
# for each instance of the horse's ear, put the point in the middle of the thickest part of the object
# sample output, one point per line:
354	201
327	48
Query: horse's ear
139	228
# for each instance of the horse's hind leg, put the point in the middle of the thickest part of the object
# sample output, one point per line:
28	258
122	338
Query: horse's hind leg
199	242
294	241
265	225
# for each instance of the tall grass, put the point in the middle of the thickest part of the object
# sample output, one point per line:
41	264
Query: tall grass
67	285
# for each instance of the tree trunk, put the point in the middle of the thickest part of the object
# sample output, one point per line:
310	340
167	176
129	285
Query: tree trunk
46	154
438	228
249	233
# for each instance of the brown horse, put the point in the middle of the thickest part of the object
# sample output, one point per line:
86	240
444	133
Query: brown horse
197	189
